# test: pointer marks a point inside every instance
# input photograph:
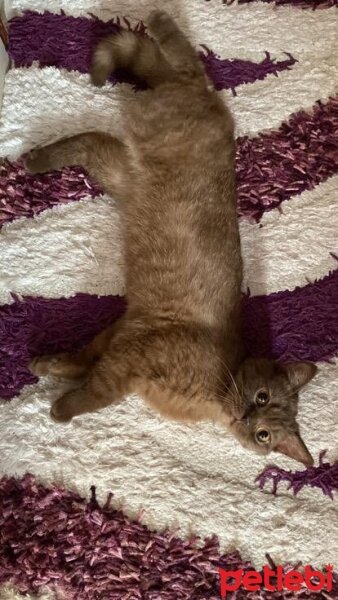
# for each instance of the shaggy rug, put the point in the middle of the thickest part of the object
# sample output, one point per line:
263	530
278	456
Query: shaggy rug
121	504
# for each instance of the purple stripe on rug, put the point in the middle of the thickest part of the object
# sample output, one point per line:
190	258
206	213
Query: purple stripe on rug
67	42
230	73
271	167
38	326
52	537
290	325
324	477
300	324
309	4
278	164
59	40
26	195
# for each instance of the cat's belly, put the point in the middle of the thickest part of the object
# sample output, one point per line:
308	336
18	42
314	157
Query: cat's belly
182	246
204	290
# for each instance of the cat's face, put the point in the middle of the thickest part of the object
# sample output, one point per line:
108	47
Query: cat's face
265	405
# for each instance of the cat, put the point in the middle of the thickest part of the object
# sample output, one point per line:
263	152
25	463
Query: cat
179	344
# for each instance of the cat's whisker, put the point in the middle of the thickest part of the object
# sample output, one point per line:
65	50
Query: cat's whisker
227	392
225	395
231	376
219	389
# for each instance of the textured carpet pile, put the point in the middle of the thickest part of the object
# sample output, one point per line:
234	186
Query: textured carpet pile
121	505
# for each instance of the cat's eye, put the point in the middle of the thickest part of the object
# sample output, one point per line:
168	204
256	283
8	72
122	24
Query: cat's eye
263	436
262	398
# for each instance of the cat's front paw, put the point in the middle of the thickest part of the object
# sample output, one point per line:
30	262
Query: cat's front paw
48	365
37	161
62	410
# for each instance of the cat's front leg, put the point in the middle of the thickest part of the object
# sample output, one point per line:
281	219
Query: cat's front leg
83	400
70	366
73	365
103	387
72	404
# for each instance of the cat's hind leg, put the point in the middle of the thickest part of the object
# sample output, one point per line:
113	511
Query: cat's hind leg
138	54
103	156
155	62
175	46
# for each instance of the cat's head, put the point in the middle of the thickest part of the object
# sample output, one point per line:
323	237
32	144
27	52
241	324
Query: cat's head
264	404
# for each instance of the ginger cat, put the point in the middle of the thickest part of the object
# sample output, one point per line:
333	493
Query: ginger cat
179	344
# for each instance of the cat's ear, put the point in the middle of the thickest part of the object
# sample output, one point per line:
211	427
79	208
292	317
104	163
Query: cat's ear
299	373
294	447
